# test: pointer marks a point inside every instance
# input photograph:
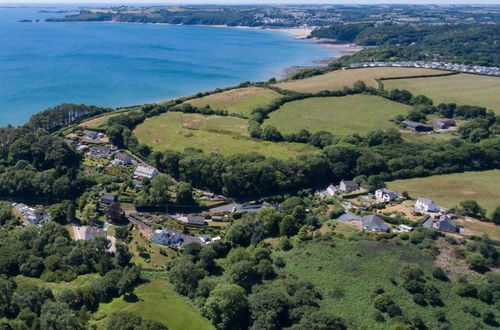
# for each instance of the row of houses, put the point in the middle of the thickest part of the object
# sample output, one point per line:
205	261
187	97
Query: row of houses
345	186
476	69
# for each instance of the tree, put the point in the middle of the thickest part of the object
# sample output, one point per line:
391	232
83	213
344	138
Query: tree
58	316
184	194
471	208
243	273
122	255
129	321
321	320
287	226
158	192
115	213
7	287
227	307
496	216
185	275
271	133
476	261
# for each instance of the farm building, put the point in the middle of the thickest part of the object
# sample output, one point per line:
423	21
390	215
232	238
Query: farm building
444	123
417	127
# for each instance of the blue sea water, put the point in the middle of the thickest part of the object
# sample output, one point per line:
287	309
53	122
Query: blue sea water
106	64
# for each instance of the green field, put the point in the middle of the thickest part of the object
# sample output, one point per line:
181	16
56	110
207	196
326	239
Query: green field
56	287
239	100
450	189
227	135
338	115
157	301
461	89
336	80
347	272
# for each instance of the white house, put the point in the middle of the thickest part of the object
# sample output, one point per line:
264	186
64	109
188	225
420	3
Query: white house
122	158
386	195
426	205
332	190
145	172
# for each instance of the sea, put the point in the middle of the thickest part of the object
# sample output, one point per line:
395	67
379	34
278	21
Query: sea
44	64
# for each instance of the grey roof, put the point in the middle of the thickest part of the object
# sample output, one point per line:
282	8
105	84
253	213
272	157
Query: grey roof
108	197
91	233
443	223
374	222
122	155
351	184
349	216
425	201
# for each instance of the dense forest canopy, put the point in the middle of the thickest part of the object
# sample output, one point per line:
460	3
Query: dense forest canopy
465	43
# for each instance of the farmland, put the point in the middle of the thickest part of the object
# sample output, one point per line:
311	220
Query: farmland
338	79
450	189
461	89
338	115
227	135
156	300
240	100
347	272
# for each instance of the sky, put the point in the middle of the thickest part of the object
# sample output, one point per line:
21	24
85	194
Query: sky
174	2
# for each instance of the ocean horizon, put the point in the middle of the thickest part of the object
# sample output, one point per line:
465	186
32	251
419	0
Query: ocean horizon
117	64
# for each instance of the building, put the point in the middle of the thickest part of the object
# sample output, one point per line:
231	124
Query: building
91	135
99	152
346	186
91	233
417	127
145	172
332	190
443	223
426	205
30	215
444	123
106	200
195	220
386	195
375	223
122	158
167	237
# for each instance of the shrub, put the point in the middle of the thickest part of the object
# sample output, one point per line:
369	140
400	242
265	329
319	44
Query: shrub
439	274
419	299
394	310
382	302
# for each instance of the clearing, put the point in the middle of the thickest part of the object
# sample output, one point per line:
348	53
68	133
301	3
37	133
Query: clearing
336	80
449	190
339	115
347	272
239	100
462	88
156	300
224	134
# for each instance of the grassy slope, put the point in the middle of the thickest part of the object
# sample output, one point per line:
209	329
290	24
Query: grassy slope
337	79
461	89
358	267
339	115
240	100
450	189
56	287
227	135
158	301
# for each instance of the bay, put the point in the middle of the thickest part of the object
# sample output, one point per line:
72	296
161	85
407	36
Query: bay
108	64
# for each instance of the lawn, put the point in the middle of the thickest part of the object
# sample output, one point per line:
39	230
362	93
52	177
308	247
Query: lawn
338	79
239	100
99	122
450	189
156	300
56	287
338	115
346	273
227	135
461	89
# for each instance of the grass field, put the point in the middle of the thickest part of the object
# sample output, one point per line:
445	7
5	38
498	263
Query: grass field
239	100
227	135
337	79
99	122
347	272
157	301
450	189
461	89
56	287
338	115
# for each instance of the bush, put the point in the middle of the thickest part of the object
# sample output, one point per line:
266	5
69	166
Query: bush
439	274
465	290
394	310
382	302
419	299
